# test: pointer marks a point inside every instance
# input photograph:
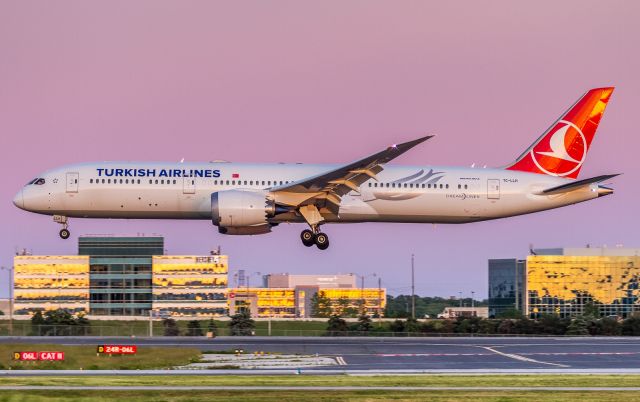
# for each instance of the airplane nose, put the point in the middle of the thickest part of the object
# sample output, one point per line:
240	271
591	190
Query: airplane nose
18	200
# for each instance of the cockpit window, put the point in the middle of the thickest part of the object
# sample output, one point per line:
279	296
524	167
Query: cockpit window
39	182
32	181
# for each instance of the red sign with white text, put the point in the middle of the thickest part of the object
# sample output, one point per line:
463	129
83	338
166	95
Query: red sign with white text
118	349
38	356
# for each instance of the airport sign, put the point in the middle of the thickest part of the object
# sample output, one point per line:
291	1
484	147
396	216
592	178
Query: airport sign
118	349
38	356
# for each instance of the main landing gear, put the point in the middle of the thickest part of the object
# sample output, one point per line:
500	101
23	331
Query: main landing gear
309	238
64	232
313	218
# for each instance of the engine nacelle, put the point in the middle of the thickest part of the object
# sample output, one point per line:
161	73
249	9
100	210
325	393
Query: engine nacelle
241	212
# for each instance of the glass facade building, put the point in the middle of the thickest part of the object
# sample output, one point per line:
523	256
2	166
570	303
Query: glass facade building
120	273
564	284
506	286
50	282
297	301
563	281
191	285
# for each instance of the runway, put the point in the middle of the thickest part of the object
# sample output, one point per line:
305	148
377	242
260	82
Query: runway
365	354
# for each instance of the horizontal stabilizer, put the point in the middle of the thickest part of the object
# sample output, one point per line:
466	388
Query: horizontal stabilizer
574	185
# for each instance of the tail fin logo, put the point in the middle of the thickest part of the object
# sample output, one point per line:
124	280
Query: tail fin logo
562	148
563	153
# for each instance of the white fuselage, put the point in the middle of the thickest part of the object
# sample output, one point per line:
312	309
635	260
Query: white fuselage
419	194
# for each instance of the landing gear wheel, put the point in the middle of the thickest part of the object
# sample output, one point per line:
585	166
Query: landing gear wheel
322	241
64	233
307	238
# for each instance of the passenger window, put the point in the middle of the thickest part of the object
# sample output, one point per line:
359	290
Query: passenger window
138	181
411	185
269	183
233	182
102	181
90	181
227	182
75	181
447	186
251	183
150	181
422	185
441	186
156	181
465	186
387	184
174	181
459	186
162	181
215	182
108	181
245	182
429	185
280	182
263	182
126	181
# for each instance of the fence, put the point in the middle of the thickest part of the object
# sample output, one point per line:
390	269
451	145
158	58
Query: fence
141	329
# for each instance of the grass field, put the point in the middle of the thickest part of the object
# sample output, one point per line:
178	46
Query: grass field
322	396
85	357
319	396
339	380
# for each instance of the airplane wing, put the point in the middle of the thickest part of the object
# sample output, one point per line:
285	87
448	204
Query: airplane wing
325	189
574	185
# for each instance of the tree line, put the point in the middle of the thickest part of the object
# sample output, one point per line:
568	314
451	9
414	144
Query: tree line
582	325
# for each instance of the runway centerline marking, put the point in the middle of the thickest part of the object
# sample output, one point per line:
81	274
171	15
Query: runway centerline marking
521	358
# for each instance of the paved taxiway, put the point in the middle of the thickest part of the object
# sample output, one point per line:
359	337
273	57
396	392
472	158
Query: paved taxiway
414	354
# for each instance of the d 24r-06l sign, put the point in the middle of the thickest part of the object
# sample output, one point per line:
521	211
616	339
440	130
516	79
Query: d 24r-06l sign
118	349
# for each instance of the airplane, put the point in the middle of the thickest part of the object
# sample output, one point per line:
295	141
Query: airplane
251	199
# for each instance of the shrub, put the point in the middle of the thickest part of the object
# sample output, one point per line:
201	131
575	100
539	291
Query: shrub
194	329
170	327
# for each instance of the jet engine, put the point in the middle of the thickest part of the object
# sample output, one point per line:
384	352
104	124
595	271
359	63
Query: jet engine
242	212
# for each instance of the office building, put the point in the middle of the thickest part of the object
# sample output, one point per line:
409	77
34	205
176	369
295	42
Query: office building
291	296
122	276
563	281
50	282
506	286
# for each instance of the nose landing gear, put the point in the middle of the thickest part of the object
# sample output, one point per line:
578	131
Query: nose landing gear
64	232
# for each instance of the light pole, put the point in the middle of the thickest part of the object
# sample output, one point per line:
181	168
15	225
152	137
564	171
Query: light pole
248	277
473	308
460	298
362	300
11	282
413	289
379	301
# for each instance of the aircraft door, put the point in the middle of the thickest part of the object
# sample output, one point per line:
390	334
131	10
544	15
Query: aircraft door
493	189
72	182
189	185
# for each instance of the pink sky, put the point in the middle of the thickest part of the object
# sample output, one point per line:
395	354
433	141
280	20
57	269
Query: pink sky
319	82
